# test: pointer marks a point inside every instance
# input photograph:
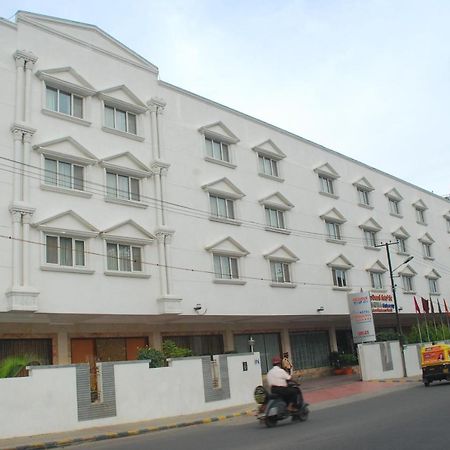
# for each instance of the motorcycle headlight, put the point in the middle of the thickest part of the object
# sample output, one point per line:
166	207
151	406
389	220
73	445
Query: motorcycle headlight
260	395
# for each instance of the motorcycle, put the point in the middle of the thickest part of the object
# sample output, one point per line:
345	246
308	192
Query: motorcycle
273	408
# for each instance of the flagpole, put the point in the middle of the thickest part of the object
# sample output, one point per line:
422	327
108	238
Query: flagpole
440	317
417	317
427	310
446	313
434	317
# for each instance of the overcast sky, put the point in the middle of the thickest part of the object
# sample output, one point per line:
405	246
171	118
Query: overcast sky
368	78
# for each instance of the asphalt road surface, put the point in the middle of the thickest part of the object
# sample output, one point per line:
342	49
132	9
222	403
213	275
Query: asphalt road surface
416	418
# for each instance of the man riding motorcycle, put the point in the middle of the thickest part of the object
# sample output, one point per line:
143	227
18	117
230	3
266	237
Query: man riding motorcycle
277	379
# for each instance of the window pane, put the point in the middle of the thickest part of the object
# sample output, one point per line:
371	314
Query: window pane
124	188
64	102
261	163
111	188
209	148
78	182
79	253
109	117
132	123
217	267
230	209
51	250
226	267
50	171
112	261
65	174
267	166
52	99
121	120
286	273
134	187
124	258
216	150
234	268
137	261
77	107
213	205
65	251
225	152
221	207
274	168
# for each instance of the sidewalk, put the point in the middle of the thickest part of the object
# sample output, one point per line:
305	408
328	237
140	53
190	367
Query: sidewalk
319	393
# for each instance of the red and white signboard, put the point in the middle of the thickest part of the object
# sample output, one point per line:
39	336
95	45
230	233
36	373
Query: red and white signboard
382	303
361	317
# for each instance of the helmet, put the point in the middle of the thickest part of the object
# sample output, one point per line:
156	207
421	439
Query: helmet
276	360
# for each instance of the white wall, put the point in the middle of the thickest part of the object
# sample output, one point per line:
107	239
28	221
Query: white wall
46	401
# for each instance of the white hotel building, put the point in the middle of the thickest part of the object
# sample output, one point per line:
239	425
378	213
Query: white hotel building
133	211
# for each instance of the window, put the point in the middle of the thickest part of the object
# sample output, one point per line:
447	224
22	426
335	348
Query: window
394	206
120	120
433	285
64	174
268	166
370	238
420	215
333	230
64	102
326	184
217	150
64	251
226	267
339	277
123	258
122	187
407	283
364	197
274	218
376	280
448	225
401	245
280	272
221	207
426	247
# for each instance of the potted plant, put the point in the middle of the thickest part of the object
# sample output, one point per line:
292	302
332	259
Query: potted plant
336	362
342	362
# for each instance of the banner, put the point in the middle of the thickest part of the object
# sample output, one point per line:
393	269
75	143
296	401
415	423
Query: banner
382	303
361	317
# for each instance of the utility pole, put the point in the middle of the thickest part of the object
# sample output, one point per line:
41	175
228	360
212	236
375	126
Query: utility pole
394	295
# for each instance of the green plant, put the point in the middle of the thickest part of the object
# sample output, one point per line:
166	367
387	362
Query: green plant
349	359
335	359
171	350
430	333
383	336
155	357
14	366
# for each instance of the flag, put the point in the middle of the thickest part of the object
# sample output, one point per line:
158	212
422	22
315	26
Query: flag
425	305
416	306
446	308
432	306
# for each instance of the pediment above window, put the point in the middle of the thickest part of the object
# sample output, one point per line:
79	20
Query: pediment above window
126	164
340	262
269	149
281	253
327	170
371	225
407	271
277	201
420	205
227	246
393	194
333	215
378	267
363	183
67	222
426	239
401	233
219	131
68	149
123	98
128	232
66	78
433	275
225	187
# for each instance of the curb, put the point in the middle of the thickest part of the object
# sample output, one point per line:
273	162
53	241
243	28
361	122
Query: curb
120	434
397	380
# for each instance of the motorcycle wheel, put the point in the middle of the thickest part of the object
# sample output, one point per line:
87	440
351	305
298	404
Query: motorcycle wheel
270	422
303	414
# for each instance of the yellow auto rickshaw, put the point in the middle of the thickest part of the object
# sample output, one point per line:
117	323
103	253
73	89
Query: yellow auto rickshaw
435	360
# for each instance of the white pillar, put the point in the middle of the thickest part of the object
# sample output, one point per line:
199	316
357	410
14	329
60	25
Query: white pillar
228	340
16	248
155	340
26	220
27	101
63	356
20	64
333	340
25	168
17	156
285	342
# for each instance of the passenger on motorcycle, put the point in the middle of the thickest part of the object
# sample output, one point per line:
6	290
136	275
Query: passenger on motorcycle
277	379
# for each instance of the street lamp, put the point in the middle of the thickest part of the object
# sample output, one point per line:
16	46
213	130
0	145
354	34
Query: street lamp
394	296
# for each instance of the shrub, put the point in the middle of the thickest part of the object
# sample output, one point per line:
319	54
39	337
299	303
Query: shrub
171	350
155	357
14	366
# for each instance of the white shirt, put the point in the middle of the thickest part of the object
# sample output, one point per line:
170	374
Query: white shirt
276	376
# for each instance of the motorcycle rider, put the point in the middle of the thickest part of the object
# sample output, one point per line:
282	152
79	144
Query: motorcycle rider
277	379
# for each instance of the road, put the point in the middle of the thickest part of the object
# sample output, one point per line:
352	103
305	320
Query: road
416	418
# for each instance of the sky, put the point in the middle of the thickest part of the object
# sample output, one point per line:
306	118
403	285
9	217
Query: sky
369	78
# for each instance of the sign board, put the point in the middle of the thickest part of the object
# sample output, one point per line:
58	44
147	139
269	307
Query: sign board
361	317
382	303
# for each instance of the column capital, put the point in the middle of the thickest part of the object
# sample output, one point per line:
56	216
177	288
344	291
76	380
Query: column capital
22	130
159	167
24	57
21	208
164	234
157	105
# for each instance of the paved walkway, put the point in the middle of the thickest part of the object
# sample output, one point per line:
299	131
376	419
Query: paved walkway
319	393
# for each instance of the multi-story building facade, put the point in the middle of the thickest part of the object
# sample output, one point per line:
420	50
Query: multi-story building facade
133	211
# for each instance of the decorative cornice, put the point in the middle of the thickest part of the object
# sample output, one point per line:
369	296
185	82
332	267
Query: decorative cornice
22	128
26	56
